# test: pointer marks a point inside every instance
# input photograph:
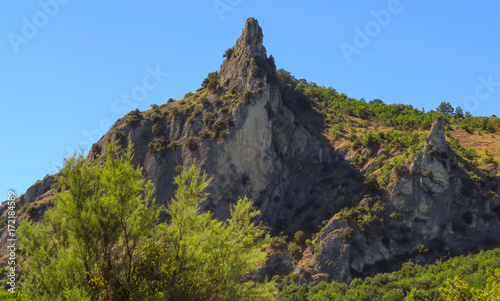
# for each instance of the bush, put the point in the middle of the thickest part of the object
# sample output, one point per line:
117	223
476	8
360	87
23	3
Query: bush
247	95
204	134
294	250
279	242
196	112
192	143
216	102
209	118
157	130
299	237
348	233
366	214
228	54
394	215
158	145
212	81
133	117
469	153
204	99
173	145
156	113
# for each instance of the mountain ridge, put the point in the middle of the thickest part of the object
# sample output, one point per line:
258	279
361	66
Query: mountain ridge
249	129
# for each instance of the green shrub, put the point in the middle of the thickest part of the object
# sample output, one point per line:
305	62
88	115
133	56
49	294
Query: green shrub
348	233
157	130
294	250
216	102
394	215
173	145
247	95
228	54
427	174
223	134
158	145
196	112
212	81
133	117
299	237
366	214
204	134
119	135
204	99
209	118
469	153
192	142
279	242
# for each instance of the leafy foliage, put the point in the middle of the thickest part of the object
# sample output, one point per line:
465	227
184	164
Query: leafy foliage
102	241
459	278
212	81
86	246
133	117
366	214
228	54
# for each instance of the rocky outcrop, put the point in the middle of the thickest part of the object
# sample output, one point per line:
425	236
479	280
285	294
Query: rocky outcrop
295	177
437	210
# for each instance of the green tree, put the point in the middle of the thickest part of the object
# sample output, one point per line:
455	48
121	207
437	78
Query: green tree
445	108
459	113
458	289
86	247
212	259
102	241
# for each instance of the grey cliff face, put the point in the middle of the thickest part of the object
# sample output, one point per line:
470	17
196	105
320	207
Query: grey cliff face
439	212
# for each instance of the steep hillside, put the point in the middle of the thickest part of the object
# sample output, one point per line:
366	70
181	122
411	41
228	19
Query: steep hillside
386	183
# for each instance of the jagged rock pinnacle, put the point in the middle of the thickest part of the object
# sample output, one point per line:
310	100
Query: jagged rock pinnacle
249	45
436	135
244	60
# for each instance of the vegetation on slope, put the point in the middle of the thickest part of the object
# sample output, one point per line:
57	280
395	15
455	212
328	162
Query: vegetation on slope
444	280
102	240
383	139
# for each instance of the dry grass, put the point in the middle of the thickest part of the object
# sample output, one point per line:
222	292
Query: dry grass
488	141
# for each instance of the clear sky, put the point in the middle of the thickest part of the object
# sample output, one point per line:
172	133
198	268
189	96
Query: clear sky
69	69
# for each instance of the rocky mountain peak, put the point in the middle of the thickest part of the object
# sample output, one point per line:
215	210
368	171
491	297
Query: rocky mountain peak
250	42
247	60
436	135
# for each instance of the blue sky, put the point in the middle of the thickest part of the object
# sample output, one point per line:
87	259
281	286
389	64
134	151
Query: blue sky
67	67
